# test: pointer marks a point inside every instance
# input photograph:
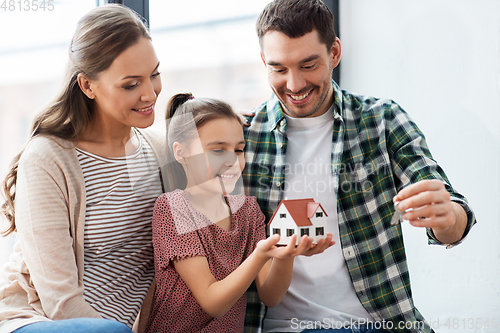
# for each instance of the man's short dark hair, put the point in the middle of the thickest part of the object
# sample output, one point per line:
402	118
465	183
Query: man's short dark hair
295	18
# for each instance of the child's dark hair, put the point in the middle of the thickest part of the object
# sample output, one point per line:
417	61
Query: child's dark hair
185	115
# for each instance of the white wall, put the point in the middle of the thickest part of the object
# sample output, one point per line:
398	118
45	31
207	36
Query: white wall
440	60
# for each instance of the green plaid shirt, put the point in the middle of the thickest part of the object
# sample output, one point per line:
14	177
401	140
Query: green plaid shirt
377	150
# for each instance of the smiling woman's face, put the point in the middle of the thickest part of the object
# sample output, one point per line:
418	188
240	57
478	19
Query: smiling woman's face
125	94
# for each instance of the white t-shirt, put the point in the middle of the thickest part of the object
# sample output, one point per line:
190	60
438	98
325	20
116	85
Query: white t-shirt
321	288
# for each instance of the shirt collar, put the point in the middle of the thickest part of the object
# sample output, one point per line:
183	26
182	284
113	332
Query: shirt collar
276	115
337	93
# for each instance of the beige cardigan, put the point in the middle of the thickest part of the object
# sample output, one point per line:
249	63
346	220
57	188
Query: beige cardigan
50	218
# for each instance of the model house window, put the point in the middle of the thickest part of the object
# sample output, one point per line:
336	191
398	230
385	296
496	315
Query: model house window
277	231
304	231
319	214
282	216
289	232
320	231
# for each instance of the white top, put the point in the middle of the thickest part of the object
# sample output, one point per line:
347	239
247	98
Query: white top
118	249
321	288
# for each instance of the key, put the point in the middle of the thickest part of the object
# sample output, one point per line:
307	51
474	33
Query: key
397	217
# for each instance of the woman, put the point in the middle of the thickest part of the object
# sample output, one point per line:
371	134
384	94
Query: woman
82	192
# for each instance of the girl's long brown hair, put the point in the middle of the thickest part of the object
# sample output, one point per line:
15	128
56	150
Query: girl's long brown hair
101	35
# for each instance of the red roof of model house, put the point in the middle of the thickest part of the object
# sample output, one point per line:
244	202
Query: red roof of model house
301	210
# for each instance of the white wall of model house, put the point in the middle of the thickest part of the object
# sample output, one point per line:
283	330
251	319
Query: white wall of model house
284	223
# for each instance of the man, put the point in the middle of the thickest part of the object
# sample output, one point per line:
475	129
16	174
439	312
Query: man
357	156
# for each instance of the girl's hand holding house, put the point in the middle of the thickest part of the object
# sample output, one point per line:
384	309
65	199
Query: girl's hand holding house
267	247
269	265
275	277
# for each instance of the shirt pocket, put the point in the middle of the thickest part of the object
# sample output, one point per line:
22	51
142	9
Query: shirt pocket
370	175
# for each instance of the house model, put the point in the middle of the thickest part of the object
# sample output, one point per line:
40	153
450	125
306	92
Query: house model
301	217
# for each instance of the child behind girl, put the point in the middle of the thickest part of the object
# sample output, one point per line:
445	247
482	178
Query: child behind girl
209	246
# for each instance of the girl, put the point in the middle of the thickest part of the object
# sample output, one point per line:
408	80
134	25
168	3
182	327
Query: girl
84	188
209	245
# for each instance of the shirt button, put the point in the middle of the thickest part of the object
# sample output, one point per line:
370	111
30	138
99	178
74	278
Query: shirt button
281	145
278	184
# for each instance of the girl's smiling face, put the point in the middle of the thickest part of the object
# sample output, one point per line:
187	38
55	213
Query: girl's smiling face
214	161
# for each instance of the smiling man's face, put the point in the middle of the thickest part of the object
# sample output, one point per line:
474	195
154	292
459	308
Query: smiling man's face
300	72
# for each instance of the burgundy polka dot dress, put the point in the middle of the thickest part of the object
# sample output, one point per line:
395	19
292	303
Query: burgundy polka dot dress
179	231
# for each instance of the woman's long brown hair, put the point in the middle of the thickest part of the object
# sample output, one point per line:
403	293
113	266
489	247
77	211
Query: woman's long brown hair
101	35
